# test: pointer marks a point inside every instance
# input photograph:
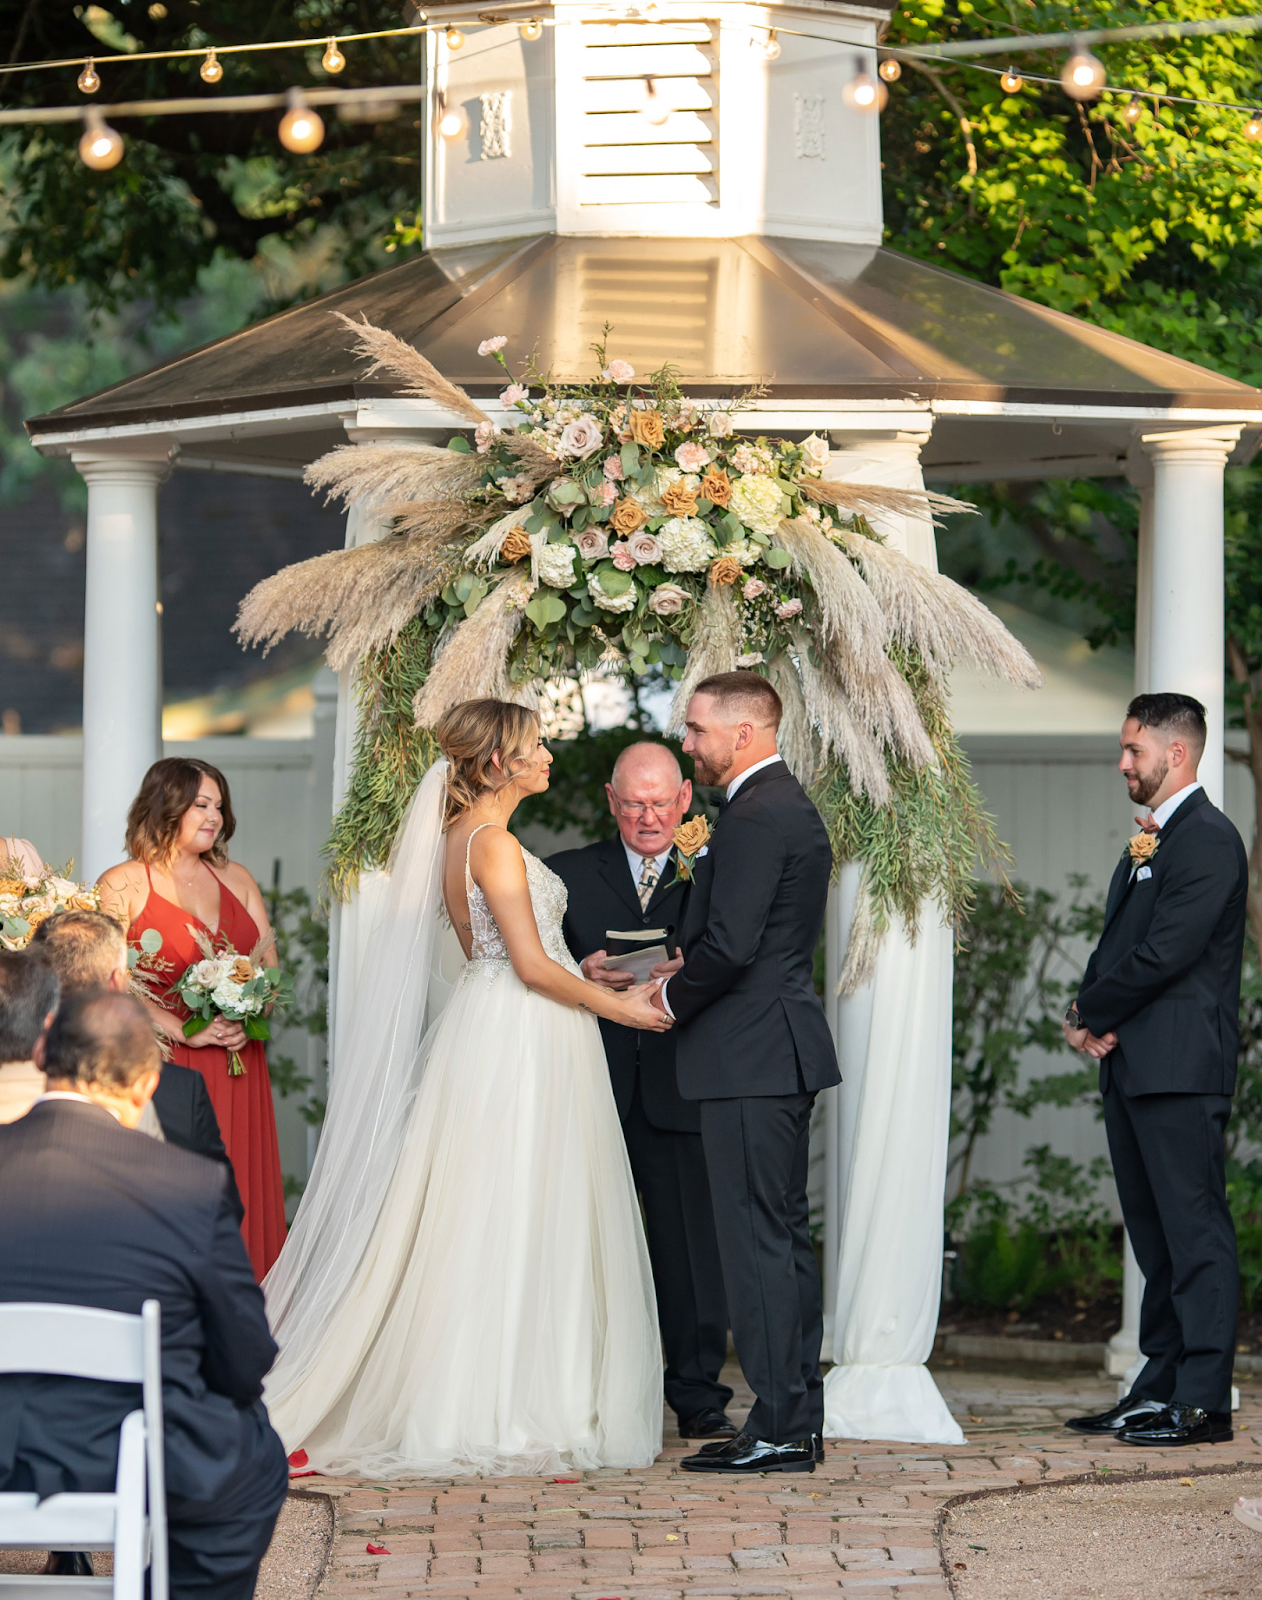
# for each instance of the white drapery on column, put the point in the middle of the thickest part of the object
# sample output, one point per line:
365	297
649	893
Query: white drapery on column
889	1123
122	647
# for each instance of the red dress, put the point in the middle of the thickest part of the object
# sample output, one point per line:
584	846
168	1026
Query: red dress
247	1117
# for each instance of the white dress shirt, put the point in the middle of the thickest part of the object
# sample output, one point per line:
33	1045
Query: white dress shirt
21	1084
69	1094
636	862
1167	808
731	790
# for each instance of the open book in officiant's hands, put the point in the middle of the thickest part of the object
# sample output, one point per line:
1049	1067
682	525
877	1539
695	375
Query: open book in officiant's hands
636	951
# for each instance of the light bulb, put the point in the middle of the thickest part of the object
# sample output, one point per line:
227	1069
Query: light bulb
1082	77
454	38
157	11
890	69
532	29
1011	81
332	60
655	108
89	79
1253	128
772	47
211	70
1133	110
100	147
452	121
301	130
864	92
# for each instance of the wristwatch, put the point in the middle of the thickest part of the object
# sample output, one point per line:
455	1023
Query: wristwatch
1072	1019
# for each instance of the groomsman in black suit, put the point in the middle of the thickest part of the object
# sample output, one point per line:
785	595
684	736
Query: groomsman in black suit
95	1214
754	1049
1157	1008
629	882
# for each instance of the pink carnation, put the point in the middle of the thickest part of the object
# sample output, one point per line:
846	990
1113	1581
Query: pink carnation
753	588
484	433
488	347
619	372
692	457
604	494
787	609
515	393
613	468
622	557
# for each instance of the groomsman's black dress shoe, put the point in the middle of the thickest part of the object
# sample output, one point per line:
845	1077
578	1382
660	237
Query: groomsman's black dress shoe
68	1564
746	1454
1179	1424
710	1423
817	1441
1126	1412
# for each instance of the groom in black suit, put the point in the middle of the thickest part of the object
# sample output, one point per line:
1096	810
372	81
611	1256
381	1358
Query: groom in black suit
1157	1008
630	882
754	1049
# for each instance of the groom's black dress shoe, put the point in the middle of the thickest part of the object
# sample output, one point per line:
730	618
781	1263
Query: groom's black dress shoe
1125	1413
710	1423
1178	1424
68	1564
746	1454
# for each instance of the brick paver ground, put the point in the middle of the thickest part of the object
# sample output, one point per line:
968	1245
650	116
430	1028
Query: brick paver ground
862	1524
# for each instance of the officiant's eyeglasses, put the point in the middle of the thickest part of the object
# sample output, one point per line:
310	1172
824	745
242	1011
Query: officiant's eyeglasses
635	809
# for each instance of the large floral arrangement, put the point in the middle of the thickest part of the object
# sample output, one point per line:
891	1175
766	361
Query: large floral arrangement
29	898
621	525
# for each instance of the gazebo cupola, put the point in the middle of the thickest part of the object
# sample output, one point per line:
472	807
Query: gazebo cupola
704	121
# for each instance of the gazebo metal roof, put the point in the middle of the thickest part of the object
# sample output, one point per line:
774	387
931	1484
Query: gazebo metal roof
835	323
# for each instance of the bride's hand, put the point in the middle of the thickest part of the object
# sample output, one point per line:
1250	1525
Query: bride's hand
640	1012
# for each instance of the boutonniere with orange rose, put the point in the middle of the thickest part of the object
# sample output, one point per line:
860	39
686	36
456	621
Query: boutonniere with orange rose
691	838
1142	847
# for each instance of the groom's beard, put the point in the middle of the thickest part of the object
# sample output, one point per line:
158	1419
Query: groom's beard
1143	789
705	772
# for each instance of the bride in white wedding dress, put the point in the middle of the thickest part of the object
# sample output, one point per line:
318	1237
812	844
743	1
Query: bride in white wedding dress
466	1287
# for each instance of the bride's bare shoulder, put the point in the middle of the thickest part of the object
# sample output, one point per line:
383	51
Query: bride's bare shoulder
494	854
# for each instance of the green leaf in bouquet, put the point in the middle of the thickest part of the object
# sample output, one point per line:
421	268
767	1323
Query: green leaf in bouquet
477	594
196	1025
733	524
704	507
776	557
630	458
459	445
151	941
579	520
257	1028
613	581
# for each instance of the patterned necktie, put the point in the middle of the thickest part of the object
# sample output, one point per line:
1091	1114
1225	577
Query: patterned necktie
648	881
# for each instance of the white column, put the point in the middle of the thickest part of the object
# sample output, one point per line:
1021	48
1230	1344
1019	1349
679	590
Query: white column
122	642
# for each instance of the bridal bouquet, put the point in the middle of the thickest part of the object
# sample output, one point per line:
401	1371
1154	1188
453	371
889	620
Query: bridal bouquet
225	983
26	900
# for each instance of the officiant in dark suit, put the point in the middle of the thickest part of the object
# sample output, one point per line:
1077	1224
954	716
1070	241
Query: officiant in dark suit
627	883
1157	1008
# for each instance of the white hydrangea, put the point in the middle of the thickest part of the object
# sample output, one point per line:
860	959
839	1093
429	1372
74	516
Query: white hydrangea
227	995
556	565
757	502
744	550
686	544
610	602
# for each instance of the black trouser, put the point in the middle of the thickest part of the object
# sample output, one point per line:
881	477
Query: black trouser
1167	1152
670	1172
756	1155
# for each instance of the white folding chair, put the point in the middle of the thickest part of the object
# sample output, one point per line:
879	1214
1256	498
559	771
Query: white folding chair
80	1342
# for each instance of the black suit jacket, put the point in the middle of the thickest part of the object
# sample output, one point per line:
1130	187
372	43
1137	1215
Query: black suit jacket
182	1103
1165	976
96	1215
603	895
749	1020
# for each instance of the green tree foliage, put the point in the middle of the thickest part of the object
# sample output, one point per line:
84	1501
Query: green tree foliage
191	189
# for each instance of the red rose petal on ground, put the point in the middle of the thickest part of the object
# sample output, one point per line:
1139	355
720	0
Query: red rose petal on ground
567	1480
299	1458
377	1550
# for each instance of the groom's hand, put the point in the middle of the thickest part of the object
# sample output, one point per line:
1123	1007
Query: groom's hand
664	969
594	970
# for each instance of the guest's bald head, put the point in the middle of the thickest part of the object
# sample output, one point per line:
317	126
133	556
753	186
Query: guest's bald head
100	1040
648	796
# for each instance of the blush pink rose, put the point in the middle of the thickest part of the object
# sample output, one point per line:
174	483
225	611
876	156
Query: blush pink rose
580	437
593	544
645	547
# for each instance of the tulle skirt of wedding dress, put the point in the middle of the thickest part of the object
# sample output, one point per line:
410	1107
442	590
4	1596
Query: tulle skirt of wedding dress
503	1320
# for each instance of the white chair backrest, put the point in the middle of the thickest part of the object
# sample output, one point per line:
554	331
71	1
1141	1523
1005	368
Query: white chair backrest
71	1341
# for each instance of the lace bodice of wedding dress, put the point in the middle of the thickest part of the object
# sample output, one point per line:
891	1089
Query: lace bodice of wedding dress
548	899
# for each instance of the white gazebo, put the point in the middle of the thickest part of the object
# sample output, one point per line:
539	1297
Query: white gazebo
718	202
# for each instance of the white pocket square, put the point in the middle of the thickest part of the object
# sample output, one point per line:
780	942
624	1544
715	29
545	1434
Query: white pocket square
704	851
1144	872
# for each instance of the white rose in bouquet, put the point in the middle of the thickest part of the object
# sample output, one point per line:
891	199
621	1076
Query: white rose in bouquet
208	974
580	437
815	454
667	599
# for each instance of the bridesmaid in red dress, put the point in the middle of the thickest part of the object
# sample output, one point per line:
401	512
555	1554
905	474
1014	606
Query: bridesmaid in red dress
177	878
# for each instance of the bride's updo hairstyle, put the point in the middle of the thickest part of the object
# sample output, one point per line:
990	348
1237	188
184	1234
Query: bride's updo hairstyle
469	735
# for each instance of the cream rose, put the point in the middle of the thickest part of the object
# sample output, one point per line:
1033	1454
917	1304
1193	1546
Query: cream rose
645	548
580	437
667	599
593	544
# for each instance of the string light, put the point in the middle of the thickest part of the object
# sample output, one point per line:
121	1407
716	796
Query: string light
452	121
301	129
1253	128
531	30
100	147
1133	110
864	92
772	47
1083	76
211	70
332	60
655	109
1011	82
455	39
89	80
890	69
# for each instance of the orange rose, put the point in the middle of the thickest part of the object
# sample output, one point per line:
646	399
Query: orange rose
680	501
83	902
516	546
716	487
1141	846
242	970
726	570
646	428
628	517
690	836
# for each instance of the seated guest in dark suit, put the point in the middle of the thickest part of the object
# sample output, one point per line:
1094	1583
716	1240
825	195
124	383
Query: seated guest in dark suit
28	1001
1157	1008
87	950
95	1214
629	882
